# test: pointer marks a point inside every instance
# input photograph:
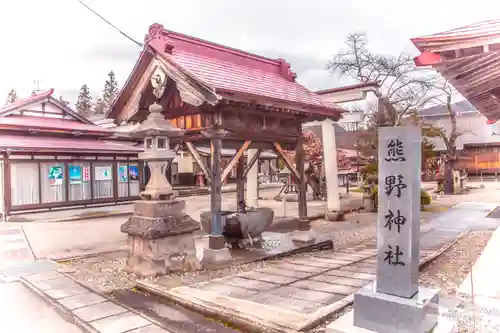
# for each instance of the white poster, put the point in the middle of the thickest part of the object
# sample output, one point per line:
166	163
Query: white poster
103	173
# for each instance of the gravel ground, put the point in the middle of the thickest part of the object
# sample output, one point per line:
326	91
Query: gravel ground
445	272
449	270
105	272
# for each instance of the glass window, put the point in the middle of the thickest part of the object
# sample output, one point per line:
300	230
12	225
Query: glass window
123	179
79	181
102	182
24	184
133	175
53	182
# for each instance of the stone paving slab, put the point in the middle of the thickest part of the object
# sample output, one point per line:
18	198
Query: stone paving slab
99	311
308	288
80	301
120	323
268	277
355	275
330	287
348	281
289	303
92	312
282	272
226	290
307	294
314	263
250	283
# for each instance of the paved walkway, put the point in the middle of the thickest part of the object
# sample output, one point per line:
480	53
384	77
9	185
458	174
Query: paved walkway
297	291
23	311
93	236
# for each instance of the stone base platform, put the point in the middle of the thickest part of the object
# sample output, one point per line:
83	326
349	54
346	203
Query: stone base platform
345	324
382	312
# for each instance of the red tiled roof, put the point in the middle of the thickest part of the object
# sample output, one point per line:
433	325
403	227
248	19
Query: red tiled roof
227	70
37	143
29	122
472	31
354	86
474	69
27	100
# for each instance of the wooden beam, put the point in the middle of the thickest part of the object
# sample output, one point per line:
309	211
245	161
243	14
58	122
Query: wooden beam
215	190
299	161
240	187
288	162
252	162
199	160
235	160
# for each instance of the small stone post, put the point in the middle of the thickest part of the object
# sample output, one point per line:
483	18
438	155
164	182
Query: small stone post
395	302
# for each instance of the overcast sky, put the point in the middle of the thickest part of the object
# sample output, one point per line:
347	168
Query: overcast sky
63	45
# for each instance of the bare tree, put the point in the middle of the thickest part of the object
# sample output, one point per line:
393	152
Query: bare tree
451	154
403	86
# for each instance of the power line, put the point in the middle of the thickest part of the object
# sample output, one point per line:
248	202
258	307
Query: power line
111	24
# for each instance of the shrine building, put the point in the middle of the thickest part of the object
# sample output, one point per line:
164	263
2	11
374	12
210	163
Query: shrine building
223	98
469	58
51	158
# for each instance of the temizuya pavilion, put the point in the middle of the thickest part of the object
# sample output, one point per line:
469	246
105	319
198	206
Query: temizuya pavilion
219	94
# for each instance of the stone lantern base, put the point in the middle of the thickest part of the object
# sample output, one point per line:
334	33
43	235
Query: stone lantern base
160	238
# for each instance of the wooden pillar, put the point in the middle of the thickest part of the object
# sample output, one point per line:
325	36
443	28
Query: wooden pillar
216	240
240	186
7	186
302	185
114	178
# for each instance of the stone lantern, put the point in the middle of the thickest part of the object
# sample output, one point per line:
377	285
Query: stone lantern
160	234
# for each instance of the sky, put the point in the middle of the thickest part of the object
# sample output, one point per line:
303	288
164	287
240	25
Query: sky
62	45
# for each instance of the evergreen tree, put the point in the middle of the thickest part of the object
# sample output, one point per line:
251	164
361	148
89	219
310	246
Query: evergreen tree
110	90
63	101
11	96
84	102
100	106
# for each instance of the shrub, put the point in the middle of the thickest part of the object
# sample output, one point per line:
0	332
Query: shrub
425	198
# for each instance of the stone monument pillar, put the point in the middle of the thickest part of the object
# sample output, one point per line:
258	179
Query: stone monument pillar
331	170
253	181
160	234
395	302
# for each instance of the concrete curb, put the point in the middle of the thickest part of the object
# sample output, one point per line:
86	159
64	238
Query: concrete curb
70	317
60	309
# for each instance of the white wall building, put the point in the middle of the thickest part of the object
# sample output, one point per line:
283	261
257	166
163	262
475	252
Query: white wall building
469	121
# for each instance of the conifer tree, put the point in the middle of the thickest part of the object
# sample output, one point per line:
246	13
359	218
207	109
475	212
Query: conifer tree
99	106
11	96
110	90
84	102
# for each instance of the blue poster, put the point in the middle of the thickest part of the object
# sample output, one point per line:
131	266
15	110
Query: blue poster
75	174
133	172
